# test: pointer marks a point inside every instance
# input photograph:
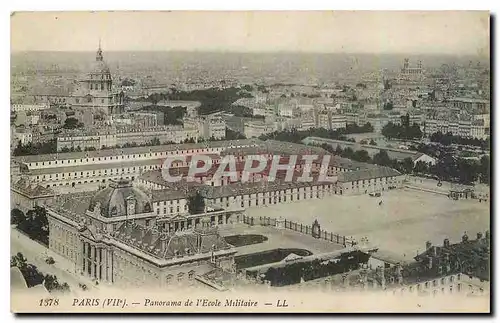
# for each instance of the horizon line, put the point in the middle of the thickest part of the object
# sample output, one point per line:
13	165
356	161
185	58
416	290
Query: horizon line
244	52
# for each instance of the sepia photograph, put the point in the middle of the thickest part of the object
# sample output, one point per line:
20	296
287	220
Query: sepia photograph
250	162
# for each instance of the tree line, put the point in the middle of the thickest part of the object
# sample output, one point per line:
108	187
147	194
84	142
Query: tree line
382	158
447	168
296	136
212	100
407	131
297	272
34	277
40	148
449	139
34	223
402	131
171	115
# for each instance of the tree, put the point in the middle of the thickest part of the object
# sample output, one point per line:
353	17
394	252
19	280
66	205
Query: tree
47	147
467	171
484	169
382	158
361	156
405	120
17	216
196	203
373	143
155	141
388	106
247	88
407	165
403	131
421	167
18	261
50	282
233	135
36	225
348	153
72	123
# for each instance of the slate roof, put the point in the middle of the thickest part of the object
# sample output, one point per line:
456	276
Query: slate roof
137	150
167	246
363	174
31	189
113	199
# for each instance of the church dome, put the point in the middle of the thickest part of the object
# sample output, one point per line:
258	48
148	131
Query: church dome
99	68
120	198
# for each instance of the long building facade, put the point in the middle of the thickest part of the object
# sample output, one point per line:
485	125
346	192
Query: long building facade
113	238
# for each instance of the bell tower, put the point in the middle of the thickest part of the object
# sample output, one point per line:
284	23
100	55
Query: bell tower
98	56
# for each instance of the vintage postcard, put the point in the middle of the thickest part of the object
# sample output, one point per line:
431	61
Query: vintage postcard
250	162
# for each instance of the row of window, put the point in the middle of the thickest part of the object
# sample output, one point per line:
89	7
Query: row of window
103	76
73	184
180	276
103	172
171	209
101	87
276	194
63	249
145	155
273	198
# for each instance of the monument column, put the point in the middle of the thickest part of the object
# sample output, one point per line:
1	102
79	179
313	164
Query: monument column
84	254
92	255
99	263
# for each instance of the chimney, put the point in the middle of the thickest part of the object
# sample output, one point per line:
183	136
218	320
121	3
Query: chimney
446	243
428	245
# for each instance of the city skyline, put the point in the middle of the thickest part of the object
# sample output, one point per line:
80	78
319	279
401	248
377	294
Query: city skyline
245	31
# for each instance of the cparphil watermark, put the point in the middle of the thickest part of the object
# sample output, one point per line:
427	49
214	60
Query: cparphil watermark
235	170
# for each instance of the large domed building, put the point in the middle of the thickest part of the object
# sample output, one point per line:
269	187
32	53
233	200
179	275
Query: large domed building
95	89
112	237
120	198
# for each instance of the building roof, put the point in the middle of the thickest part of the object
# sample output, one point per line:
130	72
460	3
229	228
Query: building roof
96	166
238	188
31	189
168	194
72	205
115	200
364	174
170	245
138	150
471	252
388	257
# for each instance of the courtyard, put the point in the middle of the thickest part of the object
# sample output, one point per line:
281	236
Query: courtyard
277	239
402	224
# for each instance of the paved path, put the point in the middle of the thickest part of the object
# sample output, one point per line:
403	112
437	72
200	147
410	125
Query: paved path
36	253
279	238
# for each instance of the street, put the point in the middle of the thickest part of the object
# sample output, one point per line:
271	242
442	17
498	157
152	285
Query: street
36	254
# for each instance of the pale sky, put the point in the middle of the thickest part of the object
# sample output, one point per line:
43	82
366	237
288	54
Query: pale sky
441	32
